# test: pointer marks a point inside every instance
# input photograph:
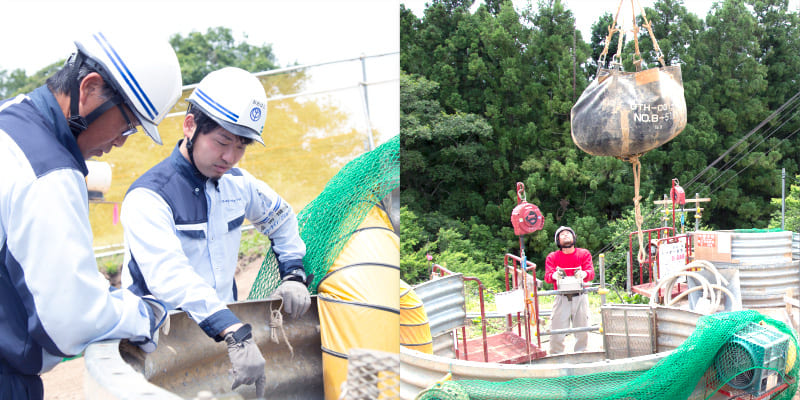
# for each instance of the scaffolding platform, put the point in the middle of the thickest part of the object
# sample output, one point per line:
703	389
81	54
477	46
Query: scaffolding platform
503	348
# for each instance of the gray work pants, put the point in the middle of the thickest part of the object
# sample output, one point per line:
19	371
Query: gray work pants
564	310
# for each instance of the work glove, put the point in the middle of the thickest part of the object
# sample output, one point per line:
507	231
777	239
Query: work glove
580	274
559	274
248	363
295	296
157	311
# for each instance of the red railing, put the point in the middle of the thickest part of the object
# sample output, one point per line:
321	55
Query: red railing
650	234
516	261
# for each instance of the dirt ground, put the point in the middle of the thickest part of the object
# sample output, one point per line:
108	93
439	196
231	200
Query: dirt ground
65	381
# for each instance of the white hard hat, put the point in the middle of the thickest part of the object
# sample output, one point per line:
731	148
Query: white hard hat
562	229
144	71
235	99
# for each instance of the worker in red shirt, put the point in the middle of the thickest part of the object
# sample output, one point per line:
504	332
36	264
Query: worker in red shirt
568	260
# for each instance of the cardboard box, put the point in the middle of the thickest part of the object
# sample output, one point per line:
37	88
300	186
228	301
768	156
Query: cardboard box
712	246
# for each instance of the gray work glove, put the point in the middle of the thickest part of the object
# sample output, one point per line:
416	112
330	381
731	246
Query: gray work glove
248	363
296	299
580	274
157	311
559	274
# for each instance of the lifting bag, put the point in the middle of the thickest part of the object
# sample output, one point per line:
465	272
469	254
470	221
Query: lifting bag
623	114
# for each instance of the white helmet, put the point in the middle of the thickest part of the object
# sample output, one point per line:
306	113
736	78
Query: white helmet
144	71
235	99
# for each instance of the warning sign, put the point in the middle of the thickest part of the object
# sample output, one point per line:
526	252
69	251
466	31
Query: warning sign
712	246
705	240
671	255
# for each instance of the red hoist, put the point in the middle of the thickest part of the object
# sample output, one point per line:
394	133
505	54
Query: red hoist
526	218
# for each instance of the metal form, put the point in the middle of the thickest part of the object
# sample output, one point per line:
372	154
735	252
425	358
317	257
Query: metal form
188	362
419	371
444	303
628	330
638	329
766	266
460	302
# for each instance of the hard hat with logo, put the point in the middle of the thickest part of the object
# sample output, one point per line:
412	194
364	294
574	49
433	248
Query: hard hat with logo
235	99
143	71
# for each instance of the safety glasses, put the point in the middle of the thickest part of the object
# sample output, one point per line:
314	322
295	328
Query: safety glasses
131	126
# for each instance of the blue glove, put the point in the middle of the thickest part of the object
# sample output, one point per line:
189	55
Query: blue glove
157	311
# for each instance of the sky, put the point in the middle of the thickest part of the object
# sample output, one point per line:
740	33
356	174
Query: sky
36	32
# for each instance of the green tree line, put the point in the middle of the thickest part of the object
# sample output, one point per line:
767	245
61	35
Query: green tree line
485	103
198	54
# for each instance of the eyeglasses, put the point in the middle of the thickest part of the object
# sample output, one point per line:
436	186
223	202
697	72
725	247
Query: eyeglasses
131	127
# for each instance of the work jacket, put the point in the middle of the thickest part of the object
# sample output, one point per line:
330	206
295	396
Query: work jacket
53	300
182	234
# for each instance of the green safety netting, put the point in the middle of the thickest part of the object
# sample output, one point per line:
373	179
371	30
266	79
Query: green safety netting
328	221
715	356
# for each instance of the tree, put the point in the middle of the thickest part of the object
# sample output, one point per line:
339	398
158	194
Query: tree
200	54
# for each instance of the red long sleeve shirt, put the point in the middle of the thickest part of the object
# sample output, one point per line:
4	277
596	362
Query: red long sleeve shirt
569	263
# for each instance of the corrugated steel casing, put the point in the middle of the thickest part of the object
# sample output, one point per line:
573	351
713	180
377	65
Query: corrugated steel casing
673	327
444	303
766	267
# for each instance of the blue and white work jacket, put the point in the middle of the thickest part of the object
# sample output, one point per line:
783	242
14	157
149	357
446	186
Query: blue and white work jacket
53	300
182	234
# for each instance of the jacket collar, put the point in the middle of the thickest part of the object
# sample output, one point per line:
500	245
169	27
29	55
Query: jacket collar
47	105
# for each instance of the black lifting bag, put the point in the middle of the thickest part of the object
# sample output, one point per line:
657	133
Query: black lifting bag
623	114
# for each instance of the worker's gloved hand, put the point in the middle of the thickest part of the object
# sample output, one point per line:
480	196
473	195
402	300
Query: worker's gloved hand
559	274
580	274
296	299
248	363
157	311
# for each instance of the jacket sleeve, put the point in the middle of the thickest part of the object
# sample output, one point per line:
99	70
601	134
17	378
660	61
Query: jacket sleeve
273	216
151	240
550	268
587	266
49	248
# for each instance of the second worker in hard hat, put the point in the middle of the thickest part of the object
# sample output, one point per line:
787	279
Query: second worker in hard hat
182	219
568	260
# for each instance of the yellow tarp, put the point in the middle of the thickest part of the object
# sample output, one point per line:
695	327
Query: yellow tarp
358	299
415	330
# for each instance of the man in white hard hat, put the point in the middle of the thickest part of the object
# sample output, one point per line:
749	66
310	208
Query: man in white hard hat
568	260
53	300
183	219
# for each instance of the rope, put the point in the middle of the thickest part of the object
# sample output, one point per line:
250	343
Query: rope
637	168
275	322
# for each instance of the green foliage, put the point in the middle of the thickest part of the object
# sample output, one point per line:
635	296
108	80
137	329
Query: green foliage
791	220
253	245
485	103
110	265
16	82
200	54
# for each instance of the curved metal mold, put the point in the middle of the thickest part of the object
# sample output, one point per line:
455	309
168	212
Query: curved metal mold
187	361
764	285
444	302
761	247
419	371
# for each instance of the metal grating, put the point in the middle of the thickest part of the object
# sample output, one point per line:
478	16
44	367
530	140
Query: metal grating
371	375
